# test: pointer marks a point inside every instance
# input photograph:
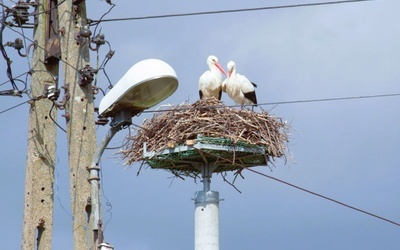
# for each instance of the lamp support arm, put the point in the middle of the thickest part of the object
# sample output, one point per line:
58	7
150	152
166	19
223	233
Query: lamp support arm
94	179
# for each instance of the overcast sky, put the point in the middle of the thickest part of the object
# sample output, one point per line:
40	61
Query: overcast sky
347	150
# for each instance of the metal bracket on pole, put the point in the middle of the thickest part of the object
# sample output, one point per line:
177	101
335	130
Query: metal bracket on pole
121	119
206	195
53	49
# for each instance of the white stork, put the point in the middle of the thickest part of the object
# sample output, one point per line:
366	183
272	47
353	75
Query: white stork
239	88
211	80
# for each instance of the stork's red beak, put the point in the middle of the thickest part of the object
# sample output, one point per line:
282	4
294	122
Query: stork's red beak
220	68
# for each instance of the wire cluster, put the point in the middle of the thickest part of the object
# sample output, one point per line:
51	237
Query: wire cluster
21	15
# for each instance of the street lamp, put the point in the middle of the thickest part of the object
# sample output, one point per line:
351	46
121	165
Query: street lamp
144	85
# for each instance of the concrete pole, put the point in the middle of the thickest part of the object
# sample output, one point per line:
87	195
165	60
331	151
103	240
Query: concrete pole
206	215
81	132
40	163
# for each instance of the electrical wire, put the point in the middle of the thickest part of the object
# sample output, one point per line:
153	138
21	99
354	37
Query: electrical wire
95	22
42	48
51	117
47	11
3	51
104	63
1	84
1	112
9	72
123	144
102	66
290	102
57	191
330	99
324	197
101	18
108	203
27	47
289	184
25	84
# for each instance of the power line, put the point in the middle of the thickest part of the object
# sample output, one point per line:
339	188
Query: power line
1	112
295	186
324	197
14	78
329	99
291	185
95	22
291	102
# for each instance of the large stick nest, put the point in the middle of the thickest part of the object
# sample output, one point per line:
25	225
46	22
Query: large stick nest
209	118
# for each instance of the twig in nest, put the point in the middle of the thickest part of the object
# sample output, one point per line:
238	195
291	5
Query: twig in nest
239	172
231	183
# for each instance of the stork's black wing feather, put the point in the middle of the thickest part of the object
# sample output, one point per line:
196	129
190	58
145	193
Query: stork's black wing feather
251	96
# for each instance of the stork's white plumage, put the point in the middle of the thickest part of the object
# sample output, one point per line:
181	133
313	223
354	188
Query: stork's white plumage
210	82
238	87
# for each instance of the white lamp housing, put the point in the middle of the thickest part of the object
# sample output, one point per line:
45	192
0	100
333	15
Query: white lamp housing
144	85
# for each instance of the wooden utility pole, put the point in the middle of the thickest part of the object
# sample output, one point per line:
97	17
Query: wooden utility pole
81	132
40	164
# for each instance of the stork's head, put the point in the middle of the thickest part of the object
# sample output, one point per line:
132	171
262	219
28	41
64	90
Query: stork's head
231	66
213	61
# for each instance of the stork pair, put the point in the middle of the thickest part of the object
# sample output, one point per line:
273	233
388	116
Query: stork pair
237	86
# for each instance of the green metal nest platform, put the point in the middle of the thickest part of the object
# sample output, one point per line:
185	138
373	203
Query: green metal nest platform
223	154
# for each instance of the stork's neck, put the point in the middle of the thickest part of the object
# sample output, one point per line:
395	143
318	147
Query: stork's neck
232	73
